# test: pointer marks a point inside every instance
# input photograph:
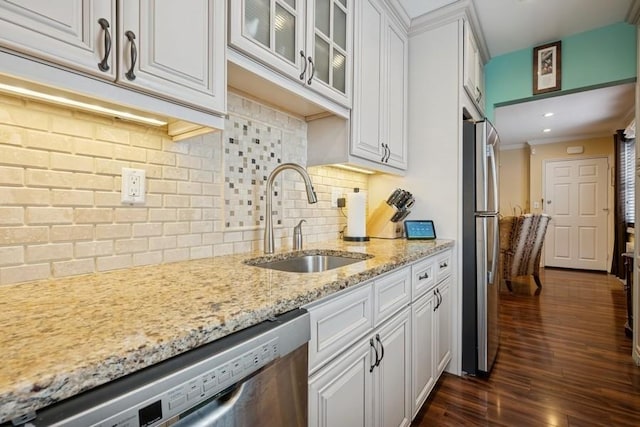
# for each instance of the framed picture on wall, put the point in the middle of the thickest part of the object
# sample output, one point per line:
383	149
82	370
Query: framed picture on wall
547	68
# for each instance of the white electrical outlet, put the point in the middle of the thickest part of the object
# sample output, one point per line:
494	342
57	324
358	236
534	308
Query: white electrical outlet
133	188
336	193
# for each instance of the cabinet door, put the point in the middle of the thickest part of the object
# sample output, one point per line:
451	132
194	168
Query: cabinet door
443	315
329	43
273	32
175	49
397	55
368	103
340	393
480	83
423	363
472	66
64	32
392	386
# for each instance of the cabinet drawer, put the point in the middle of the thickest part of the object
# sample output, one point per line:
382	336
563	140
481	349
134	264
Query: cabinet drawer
390	294
443	266
338	323
423	276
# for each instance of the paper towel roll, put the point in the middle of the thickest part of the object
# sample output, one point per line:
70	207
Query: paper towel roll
356	215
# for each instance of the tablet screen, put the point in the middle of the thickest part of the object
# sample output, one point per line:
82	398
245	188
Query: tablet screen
420	229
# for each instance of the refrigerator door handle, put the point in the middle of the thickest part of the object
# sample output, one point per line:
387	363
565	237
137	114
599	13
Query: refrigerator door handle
494	175
486	214
495	251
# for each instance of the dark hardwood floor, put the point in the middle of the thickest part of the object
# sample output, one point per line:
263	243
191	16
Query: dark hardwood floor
564	360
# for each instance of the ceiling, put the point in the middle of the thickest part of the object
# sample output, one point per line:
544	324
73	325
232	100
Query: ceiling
508	25
591	114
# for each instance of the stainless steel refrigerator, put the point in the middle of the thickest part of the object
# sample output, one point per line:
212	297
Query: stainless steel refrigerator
480	247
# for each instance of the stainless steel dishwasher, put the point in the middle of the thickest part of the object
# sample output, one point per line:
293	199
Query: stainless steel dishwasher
254	377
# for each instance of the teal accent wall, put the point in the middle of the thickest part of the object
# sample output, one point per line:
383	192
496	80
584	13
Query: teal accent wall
594	58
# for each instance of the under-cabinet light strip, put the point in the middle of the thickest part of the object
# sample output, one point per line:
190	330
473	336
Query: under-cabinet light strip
78	104
352	168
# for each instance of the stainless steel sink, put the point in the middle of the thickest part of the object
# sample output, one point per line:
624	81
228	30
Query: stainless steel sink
309	263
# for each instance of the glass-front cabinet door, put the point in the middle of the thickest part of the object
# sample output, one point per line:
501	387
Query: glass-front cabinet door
271	31
307	40
329	39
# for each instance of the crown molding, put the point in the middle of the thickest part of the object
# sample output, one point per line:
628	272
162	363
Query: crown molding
461	9
400	13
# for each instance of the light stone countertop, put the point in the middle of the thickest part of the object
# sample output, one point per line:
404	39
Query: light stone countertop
63	336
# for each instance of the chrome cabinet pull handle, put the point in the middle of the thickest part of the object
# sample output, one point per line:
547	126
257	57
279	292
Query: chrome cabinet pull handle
424	276
386	154
134	55
304	61
313	71
376	351
104	64
381	349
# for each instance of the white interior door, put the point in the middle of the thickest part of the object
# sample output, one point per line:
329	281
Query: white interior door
576	198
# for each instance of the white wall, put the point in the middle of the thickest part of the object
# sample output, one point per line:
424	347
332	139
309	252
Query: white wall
434	171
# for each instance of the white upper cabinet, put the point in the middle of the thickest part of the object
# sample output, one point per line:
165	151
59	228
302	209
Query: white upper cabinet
171	50
271	31
379	115
308	41
473	68
78	34
397	89
176	49
329	41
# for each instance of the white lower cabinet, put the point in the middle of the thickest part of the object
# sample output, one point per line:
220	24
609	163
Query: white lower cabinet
431	337
340	394
368	385
392	376
377	350
443	326
423	372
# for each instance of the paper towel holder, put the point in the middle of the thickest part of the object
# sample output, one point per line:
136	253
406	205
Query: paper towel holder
347	238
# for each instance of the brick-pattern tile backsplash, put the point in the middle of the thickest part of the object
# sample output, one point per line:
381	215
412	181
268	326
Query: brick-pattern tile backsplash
60	209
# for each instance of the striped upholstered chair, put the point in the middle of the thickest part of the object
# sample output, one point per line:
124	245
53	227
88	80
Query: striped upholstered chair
521	239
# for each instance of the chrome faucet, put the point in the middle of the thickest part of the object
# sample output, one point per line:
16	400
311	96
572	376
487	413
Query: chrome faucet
311	197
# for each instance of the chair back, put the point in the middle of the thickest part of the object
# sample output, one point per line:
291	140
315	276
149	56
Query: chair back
521	244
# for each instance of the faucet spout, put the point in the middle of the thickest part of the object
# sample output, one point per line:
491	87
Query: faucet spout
311	197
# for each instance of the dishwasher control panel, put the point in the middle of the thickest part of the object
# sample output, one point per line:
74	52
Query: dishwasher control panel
179	399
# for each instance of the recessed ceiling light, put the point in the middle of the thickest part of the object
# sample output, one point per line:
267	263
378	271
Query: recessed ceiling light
549	114
546	130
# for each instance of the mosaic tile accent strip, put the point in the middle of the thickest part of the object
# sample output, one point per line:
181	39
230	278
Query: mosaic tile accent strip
251	151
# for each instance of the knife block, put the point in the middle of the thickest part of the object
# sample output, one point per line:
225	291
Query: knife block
379	223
